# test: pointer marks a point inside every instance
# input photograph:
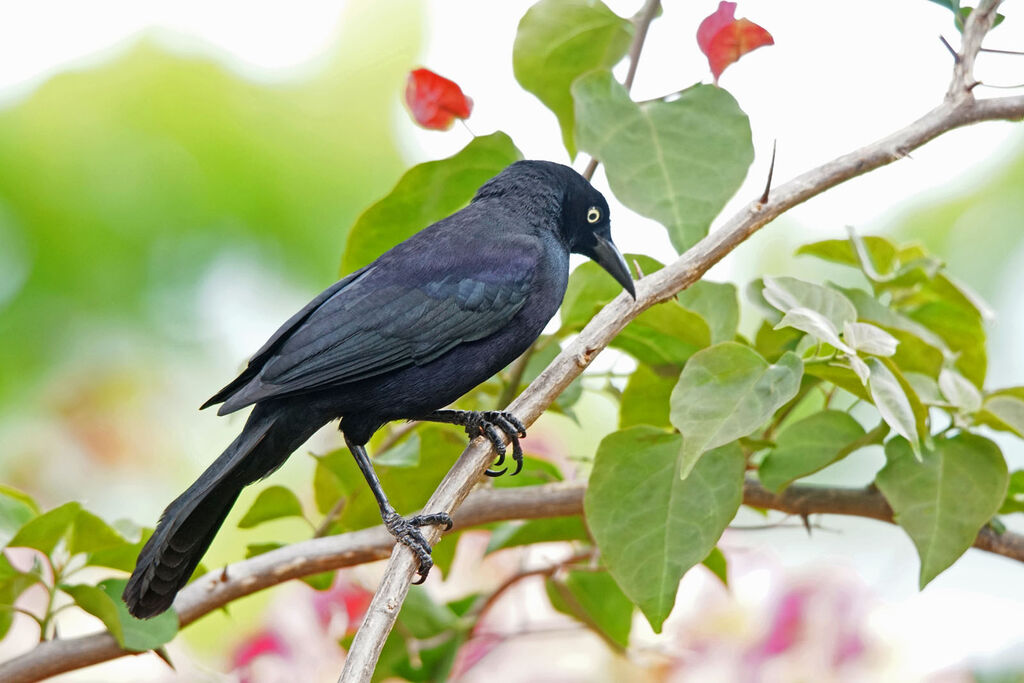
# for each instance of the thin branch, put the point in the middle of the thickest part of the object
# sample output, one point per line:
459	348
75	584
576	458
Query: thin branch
643	22
213	591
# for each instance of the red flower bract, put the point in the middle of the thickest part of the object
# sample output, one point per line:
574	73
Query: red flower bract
435	101
724	39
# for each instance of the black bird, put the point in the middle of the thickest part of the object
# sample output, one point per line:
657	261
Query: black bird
397	340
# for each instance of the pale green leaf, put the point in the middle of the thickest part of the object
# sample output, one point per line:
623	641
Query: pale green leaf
726	392
807	446
596	600
650	524
943	500
677	162
558	41
717	303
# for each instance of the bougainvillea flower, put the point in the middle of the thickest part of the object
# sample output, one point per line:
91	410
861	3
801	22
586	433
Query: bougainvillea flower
435	101
724	39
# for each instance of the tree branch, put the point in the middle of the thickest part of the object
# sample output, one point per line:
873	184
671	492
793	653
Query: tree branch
213	591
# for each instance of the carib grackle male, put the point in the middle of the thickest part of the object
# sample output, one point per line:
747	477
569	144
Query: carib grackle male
397	340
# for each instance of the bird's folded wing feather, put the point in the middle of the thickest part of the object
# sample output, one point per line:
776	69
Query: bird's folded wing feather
371	327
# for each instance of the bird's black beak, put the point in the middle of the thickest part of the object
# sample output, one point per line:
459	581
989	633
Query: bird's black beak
608	256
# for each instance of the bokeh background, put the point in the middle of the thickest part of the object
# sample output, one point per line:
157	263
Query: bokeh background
177	178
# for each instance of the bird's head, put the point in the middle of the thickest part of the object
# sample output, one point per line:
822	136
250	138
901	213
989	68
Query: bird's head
582	212
587	229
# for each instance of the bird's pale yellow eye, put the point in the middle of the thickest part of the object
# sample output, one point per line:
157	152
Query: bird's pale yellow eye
593	215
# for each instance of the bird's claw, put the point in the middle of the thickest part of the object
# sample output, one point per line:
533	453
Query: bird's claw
487	423
407	532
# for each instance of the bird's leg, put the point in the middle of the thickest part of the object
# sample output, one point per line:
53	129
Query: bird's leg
487	423
405	530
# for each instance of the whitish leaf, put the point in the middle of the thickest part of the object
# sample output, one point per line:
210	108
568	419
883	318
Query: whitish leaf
959	391
788	293
892	402
868	338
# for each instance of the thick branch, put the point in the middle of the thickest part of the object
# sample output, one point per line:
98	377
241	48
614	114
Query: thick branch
220	587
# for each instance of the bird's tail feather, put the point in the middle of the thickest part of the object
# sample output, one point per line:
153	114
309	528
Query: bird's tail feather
190	522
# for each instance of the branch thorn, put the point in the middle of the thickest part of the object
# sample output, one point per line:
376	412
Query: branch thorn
771	171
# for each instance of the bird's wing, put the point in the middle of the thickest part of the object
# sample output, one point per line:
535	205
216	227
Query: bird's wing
374	326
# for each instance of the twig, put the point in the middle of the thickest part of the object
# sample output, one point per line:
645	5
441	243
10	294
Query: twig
643	22
486	603
210	593
953	112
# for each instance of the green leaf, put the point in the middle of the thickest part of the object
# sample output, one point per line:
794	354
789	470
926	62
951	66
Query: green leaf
1014	501
512	534
591	288
893	402
726	392
559	40
677	162
664	335
717	563
839	375
807	446
97	603
273	502
915	355
596	600
717	303
772	343
789	294
645	400
140	635
426	193
89	534
45	531
12	584
650	524
406	453
408	488
535	472
16	508
880	251
944	500
962	331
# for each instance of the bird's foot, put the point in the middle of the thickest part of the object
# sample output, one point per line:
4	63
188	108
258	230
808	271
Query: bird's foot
407	531
487	423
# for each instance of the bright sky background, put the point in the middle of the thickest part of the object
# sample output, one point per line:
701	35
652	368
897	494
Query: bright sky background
840	76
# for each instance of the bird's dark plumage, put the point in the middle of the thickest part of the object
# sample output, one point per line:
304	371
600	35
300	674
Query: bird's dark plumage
399	339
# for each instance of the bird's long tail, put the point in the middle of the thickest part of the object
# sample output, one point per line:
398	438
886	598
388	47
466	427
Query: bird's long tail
188	525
